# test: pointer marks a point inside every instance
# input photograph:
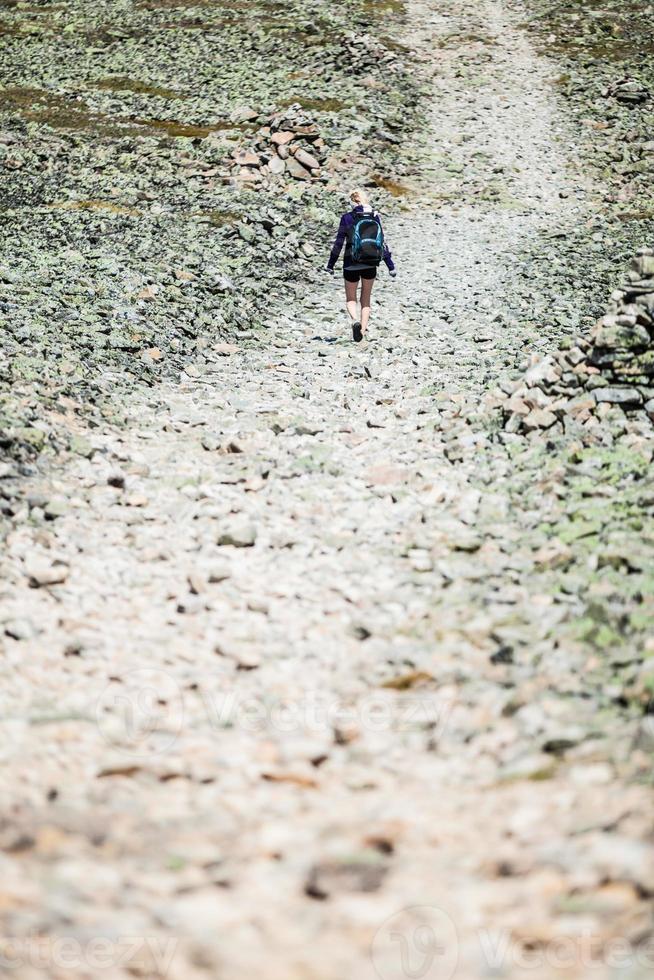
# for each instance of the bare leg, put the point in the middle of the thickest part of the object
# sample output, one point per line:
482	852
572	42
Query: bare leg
366	293
351	299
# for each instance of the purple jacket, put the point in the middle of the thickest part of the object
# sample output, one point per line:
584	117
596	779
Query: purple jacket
347	222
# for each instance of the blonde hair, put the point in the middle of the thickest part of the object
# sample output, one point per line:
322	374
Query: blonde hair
359	197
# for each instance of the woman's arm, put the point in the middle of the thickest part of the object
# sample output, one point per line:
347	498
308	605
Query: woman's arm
388	258
338	242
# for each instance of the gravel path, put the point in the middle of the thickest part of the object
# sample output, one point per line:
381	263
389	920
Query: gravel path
287	691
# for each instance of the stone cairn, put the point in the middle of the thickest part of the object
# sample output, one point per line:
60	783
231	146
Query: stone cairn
584	381
288	145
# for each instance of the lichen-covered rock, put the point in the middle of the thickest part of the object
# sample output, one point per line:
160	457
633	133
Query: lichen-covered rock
612	335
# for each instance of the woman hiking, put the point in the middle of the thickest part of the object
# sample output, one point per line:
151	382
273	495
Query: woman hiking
361	232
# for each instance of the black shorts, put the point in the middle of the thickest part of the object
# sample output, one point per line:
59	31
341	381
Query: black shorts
353	275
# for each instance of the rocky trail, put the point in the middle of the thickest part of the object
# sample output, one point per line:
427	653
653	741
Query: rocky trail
295	684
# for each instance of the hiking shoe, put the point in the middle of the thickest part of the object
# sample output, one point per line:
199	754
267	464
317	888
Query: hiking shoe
356	332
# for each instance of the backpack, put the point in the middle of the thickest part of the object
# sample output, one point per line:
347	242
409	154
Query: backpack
367	239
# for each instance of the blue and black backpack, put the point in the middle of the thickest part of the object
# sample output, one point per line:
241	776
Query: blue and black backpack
367	239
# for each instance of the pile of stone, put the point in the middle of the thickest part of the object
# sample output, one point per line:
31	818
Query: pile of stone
359	51
288	145
629	91
613	367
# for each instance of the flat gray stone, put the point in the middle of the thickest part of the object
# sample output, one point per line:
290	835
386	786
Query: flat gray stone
627	397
